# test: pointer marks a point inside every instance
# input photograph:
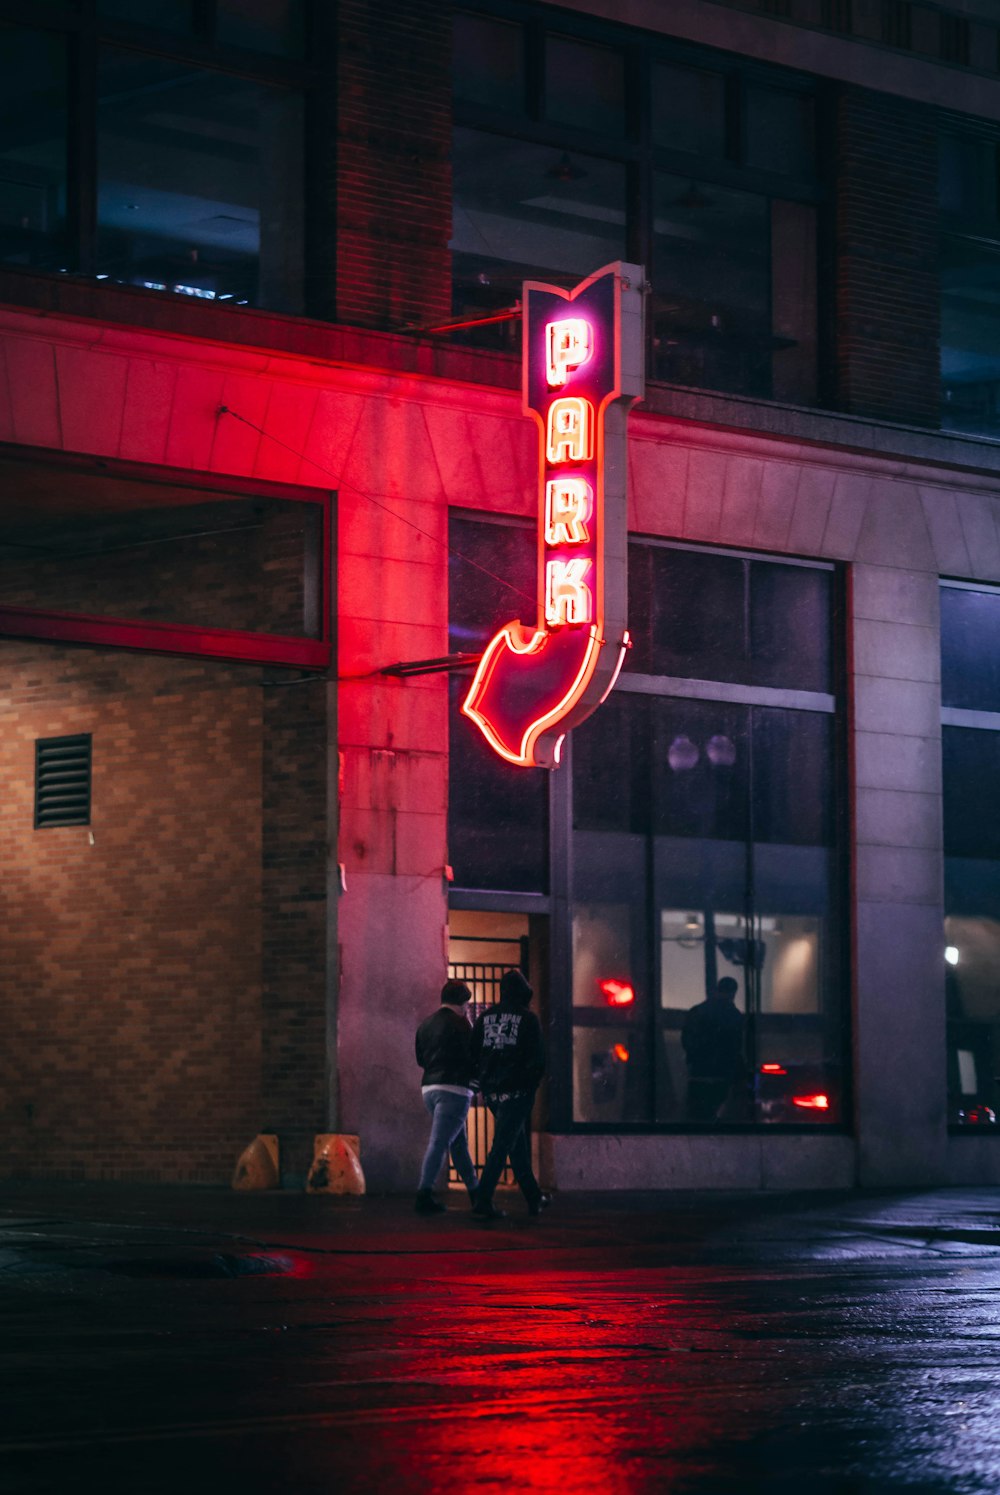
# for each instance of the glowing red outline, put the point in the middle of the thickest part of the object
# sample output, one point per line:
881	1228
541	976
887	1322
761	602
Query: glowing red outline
515	639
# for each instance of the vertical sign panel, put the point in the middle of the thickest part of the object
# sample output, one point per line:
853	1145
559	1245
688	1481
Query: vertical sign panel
583	368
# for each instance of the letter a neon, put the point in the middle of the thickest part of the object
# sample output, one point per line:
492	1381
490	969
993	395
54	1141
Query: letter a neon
569	433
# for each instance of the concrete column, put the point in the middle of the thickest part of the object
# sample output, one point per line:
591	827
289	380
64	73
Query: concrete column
899	1021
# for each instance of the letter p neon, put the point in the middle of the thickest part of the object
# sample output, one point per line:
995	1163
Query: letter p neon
568	344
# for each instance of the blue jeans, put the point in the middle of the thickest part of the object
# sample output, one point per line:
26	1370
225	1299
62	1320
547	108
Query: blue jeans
448	1113
510	1139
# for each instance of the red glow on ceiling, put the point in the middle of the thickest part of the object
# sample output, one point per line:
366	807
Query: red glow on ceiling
773	1069
617	993
812	1102
621	1053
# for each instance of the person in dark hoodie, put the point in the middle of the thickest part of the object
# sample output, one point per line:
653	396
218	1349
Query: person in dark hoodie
509	1060
444	1051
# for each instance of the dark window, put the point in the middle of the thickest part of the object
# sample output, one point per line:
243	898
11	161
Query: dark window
489	62
716	617
971	786
706	845
523	211
172	176
584	86
199	182
689	109
702	170
32	148
497	813
62	780
970	649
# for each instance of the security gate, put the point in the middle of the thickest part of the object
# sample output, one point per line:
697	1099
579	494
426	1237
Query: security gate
483	980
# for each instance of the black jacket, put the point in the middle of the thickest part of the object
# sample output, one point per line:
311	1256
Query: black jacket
507	1050
444	1048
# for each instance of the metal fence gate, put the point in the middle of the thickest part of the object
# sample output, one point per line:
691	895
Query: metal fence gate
483	980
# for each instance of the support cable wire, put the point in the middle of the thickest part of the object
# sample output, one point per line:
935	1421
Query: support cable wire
377	500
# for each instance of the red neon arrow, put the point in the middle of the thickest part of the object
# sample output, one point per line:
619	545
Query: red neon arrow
533	685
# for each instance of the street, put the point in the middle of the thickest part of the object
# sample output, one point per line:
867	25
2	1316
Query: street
188	1340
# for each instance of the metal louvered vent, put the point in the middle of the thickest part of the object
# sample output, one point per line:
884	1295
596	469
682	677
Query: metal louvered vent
62	780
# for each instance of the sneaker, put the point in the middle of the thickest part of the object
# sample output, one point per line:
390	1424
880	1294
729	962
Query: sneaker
537	1205
426	1204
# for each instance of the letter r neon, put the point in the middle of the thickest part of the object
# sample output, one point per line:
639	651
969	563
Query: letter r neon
568	599
568	344
568	506
569	435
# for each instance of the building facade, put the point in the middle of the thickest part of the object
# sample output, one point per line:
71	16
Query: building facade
269	489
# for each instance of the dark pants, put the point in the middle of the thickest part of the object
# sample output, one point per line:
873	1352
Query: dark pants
510	1140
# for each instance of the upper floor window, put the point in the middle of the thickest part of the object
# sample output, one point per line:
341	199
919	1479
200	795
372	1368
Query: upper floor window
570	151
969	166
175	177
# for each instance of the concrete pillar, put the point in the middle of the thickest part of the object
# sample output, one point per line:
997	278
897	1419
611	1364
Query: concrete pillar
899	1022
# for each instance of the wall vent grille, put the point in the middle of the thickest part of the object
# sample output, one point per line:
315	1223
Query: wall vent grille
62	780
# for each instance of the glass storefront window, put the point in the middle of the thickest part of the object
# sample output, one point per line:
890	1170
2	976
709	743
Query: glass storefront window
199	182
689	109
498	814
970	752
33	149
704	847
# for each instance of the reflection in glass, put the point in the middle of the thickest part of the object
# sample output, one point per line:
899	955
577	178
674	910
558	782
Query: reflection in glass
525	212
33	149
199	182
731	809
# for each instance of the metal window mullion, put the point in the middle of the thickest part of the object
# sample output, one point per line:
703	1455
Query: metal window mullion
731	692
81	151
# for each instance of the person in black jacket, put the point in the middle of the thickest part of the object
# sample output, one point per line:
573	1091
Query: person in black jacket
509	1057
443	1047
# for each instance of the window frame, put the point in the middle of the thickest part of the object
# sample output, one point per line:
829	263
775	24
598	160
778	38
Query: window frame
643	160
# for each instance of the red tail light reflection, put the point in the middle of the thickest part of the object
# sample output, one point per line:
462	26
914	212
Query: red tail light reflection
773	1069
812	1102
617	993
621	1053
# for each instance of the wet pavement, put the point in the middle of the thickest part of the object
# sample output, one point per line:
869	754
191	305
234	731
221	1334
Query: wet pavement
185	1340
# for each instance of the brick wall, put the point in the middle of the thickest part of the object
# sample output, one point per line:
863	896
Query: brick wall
887	363
140	1040
393	163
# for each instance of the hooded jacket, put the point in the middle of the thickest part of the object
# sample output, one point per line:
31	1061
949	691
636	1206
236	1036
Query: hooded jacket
507	1048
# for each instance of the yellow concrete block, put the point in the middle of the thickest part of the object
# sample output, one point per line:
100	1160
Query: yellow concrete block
336	1165
257	1167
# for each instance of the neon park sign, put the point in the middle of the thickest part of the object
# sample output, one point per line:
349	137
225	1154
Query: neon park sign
582	370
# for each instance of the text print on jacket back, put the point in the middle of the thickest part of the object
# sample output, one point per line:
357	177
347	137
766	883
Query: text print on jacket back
500	1029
